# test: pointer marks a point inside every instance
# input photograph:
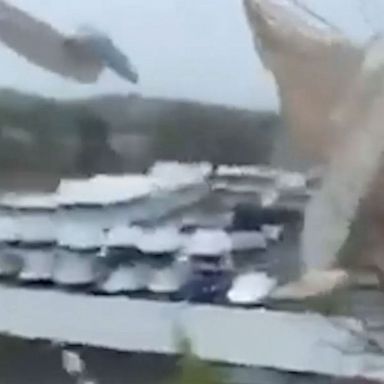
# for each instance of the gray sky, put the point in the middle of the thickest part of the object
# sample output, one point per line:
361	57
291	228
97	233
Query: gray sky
192	49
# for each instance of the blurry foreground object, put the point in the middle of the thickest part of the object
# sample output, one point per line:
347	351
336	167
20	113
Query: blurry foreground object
75	367
332	96
81	57
313	68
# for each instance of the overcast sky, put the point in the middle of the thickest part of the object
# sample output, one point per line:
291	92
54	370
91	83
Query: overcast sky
192	49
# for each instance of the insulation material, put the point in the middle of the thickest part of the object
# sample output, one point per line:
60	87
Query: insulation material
313	68
331	96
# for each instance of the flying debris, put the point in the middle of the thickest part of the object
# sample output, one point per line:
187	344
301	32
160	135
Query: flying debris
81	57
104	48
331	96
72	362
313	67
75	366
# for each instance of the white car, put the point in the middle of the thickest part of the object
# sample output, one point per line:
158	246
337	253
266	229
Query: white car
128	271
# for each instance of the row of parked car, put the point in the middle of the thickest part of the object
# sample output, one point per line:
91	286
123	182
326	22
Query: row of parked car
105	235
169	262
